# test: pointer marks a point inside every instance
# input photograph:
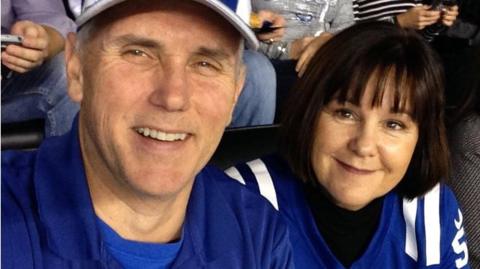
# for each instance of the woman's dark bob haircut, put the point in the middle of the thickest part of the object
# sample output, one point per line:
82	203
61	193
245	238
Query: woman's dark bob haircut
341	70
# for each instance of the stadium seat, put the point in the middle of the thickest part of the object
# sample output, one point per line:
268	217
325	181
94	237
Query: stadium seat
22	135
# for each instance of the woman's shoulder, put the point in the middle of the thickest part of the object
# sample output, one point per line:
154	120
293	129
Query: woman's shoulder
438	199
430	226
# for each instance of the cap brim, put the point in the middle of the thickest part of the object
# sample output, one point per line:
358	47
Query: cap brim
219	7
234	20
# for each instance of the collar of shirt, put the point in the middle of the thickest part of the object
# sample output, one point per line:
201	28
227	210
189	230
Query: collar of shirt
65	208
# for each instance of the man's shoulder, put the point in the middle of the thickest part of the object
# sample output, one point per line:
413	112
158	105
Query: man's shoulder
233	199
232	190
17	178
17	166
270	176
17	205
238	220
16	159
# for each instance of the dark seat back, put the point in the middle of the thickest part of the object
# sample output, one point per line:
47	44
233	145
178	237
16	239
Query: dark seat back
22	135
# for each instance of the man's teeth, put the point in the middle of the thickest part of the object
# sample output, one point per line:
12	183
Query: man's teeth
159	135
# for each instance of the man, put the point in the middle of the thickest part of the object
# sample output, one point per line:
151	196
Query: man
157	82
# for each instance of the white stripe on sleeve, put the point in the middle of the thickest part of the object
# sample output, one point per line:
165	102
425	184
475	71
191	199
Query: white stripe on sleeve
410	215
432	225
233	173
264	180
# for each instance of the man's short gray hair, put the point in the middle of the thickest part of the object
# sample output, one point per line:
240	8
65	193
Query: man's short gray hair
85	33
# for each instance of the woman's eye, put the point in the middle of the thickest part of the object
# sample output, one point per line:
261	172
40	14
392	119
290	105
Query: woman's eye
395	125
344	114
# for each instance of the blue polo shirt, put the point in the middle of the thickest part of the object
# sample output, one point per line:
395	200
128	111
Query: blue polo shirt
48	219
133	254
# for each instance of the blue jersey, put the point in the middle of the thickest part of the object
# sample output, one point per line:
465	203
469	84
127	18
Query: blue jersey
426	232
48	220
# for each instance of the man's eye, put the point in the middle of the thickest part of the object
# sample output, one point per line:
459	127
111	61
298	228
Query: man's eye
135	52
137	56
207	68
206	64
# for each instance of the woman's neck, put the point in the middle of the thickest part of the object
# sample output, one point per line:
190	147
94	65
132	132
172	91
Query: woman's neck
347	233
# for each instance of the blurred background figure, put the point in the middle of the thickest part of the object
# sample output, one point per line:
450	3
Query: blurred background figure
33	73
464	138
430	17
304	27
304	21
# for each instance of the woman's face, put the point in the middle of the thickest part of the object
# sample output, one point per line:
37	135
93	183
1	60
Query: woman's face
362	152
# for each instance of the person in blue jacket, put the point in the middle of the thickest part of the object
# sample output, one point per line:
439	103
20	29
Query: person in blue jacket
127	187
364	150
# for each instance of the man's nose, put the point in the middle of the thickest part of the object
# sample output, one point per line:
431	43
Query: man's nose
171	91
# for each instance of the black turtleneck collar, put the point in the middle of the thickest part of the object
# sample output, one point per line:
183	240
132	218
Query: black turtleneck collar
347	233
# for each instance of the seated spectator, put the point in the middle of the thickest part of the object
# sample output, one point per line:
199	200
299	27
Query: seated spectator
127	187
457	50
306	26
467	27
33	73
464	138
423	15
364	151
304	20
431	21
256	104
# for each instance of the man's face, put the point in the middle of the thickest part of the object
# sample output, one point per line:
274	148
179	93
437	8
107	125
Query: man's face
157	88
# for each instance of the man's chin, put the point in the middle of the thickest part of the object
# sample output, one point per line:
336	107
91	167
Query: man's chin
164	185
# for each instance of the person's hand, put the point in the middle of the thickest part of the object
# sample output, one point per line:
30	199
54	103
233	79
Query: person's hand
449	15
310	51
33	51
298	46
277	21
418	17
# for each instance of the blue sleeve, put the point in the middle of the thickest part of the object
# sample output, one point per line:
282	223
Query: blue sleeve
455	250
46	12
282	255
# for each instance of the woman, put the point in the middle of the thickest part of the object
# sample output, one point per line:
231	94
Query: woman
365	148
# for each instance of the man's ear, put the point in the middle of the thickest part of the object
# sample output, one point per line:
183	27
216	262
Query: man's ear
238	90
241	82
74	69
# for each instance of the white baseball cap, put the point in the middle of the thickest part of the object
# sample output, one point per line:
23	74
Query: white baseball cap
236	12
